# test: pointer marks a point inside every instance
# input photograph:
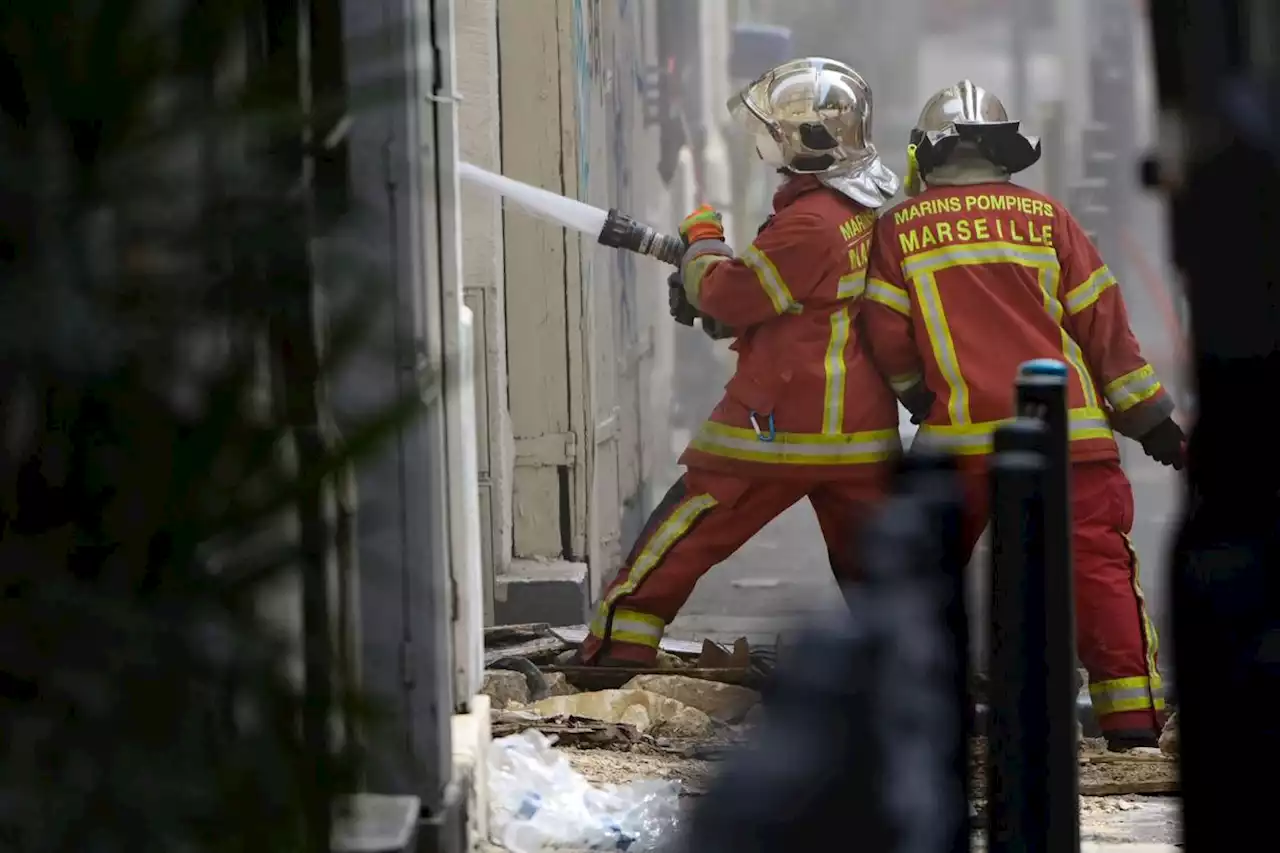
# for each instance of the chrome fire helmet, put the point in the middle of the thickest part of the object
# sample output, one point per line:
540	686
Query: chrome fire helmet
970	114
812	116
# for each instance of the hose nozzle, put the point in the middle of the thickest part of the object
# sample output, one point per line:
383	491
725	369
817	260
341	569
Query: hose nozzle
622	232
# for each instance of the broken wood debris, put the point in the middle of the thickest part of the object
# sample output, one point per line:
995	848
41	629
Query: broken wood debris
535	642
612	677
569	730
1149	787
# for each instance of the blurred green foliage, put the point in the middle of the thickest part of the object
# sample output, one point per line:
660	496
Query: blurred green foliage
154	290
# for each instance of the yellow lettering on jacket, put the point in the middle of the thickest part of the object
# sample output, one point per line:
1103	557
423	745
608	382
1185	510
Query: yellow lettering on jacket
927	207
858	255
853	228
1007	202
974	230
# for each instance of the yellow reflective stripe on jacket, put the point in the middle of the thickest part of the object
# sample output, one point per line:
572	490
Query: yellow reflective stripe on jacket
797	448
1049	279
976	439
1087	293
1132	388
834	368
852	286
668	534
693	273
774	287
888	295
968	254
629	626
1138	693
905	381
944	348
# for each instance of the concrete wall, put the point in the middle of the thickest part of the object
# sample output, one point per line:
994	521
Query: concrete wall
576	344
483	280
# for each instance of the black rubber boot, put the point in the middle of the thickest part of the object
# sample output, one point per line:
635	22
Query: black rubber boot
602	660
1123	740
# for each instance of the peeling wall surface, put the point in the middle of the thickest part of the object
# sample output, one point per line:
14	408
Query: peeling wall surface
483	279
576	342
625	294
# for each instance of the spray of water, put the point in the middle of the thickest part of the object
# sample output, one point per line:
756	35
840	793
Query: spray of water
556	208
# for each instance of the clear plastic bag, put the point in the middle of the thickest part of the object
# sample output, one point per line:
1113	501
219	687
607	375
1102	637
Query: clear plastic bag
539	803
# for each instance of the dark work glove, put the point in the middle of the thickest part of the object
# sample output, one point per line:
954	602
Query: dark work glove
918	400
714	329
677	302
1166	444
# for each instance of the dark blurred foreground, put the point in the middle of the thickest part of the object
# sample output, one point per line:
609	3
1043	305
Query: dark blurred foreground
168	459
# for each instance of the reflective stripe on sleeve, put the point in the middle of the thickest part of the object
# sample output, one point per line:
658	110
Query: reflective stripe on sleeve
1133	388
774	287
693	273
1087	293
852	286
668	534
944	348
888	295
976	439
1118	695
834	368
797	448
629	626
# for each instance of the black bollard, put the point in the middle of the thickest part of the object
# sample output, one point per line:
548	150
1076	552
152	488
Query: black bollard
1041	390
941	712
1021	814
863	734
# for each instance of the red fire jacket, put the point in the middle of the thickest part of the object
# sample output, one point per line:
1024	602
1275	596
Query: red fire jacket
805	399
966	283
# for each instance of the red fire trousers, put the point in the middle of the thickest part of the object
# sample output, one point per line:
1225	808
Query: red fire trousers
702	520
1115	640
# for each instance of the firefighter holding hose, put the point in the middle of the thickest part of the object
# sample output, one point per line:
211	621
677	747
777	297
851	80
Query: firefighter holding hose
806	414
970	277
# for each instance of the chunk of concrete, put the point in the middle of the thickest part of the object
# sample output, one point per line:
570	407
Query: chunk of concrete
505	687
558	685
728	703
648	712
1169	737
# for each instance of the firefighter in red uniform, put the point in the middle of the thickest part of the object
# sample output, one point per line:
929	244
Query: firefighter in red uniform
970	277
806	414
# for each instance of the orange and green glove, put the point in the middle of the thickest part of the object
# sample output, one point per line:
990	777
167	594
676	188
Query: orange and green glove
703	224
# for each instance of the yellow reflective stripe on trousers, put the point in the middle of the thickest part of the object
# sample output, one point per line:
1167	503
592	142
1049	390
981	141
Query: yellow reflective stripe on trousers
694	271
1088	291
976	439
852	286
905	381
944	349
1133	388
797	448
629	626
834	368
1118	695
774	287
1150	637
1049	281
667	535
888	295
969	254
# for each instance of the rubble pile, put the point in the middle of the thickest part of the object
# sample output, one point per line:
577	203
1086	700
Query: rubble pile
698	700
